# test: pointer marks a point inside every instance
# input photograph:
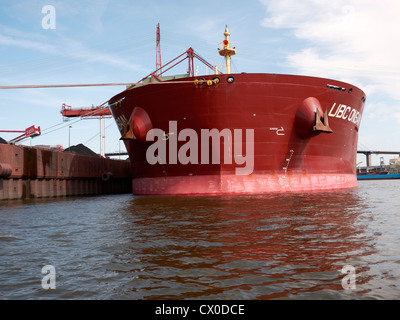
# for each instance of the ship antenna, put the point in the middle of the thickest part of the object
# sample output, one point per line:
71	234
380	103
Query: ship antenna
227	51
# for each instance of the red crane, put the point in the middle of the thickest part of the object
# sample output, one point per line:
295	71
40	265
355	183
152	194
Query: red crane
100	112
30	132
93	112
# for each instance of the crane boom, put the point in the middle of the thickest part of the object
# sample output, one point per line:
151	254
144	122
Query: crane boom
30	132
93	112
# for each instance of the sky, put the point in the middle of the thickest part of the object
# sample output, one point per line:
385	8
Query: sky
114	41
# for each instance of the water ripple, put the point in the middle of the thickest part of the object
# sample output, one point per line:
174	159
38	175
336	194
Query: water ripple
275	246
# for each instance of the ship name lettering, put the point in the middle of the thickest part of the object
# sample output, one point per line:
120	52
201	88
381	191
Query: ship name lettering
341	111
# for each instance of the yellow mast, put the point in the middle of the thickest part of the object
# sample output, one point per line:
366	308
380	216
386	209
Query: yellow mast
227	51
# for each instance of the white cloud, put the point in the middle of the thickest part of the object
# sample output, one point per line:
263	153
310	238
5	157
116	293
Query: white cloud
14	41
353	40
63	47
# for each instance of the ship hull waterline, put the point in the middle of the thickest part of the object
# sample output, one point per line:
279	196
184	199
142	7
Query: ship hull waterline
276	115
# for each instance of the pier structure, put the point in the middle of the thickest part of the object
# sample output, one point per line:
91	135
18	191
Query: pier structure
31	172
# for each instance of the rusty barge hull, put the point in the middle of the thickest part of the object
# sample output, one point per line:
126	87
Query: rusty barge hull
27	172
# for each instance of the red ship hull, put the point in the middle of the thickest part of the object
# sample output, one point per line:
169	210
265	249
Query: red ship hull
280	116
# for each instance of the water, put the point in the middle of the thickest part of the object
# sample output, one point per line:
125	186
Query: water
281	246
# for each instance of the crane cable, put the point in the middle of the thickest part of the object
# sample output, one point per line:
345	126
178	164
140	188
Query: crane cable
131	84
101	108
65	85
45	131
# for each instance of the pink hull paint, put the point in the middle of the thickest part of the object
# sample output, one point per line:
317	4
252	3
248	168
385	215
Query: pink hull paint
234	184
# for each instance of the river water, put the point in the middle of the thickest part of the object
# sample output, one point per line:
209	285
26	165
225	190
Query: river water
248	247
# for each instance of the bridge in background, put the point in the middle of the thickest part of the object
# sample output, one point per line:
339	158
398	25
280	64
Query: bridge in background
368	154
